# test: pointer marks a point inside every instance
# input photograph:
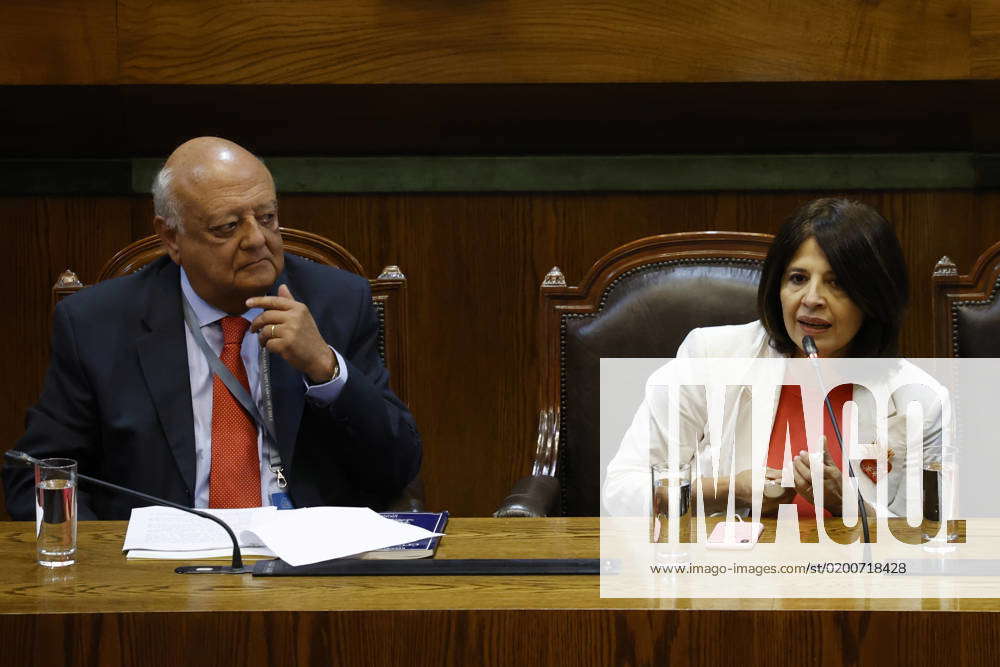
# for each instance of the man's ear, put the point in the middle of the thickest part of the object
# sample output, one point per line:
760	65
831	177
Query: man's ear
168	237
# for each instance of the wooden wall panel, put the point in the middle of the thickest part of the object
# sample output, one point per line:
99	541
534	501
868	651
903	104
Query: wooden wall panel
563	119
985	39
524	41
43	237
58	42
489	637
474	263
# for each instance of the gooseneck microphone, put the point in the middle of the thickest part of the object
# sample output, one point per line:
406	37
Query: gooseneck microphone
813	353
23	460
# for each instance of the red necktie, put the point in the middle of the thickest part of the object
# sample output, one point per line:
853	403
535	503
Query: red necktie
235	476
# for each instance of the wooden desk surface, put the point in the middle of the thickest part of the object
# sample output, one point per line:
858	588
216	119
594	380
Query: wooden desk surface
121	609
103	580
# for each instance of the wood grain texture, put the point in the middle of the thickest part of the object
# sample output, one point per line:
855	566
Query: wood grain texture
108	611
103	580
42	236
474	264
485	637
520	41
58	42
985	39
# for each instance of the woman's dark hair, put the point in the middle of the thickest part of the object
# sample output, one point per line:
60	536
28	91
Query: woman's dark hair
864	253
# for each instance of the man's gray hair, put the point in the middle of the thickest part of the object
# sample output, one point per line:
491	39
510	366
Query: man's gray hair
165	203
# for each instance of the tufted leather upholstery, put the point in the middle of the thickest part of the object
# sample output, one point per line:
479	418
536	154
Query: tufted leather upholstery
966	308
978	329
643	298
646	314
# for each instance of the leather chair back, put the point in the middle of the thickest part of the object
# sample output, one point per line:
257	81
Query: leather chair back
640	300
388	289
388	298
966	307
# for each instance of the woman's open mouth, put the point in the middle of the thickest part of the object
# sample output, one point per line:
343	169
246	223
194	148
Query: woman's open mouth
813	326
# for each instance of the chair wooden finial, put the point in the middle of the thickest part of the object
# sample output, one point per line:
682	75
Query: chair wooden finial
67	279
554	278
945	267
391	272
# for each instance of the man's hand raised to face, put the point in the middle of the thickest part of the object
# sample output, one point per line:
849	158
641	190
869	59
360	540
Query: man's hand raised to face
286	327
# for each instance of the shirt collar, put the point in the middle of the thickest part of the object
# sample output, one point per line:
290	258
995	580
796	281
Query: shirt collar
206	312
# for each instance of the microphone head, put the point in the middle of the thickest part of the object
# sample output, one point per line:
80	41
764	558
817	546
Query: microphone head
19	459
810	346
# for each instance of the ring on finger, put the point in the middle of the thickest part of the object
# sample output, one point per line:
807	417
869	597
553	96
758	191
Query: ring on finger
274	328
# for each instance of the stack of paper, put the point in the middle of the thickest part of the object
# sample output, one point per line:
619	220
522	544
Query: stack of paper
164	532
298	537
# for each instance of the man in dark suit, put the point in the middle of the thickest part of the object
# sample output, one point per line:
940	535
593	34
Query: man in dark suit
131	395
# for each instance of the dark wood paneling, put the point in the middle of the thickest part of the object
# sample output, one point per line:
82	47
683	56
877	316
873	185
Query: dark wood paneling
43	237
985	39
58	42
229	41
522	41
589	119
571	637
474	263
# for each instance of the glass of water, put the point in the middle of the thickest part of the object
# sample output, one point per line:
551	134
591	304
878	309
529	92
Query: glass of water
671	497
55	512
939	530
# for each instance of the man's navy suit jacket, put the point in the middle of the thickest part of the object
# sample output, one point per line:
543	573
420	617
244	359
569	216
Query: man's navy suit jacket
117	398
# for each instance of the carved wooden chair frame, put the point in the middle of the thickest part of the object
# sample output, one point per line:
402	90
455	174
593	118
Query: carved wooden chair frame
951	290
388	298
558	302
388	289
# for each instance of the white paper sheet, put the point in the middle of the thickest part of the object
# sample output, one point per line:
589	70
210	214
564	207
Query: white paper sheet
248	553
168	529
299	537
314	534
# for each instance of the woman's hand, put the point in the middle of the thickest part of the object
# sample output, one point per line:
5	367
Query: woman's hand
769	503
833	483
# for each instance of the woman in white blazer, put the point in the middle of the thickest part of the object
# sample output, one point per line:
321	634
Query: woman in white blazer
834	272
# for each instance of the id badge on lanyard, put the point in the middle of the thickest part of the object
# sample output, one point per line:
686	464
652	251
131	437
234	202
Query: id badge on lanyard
266	421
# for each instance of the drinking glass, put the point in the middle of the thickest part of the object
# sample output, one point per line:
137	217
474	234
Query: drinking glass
671	501
55	512
938	529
